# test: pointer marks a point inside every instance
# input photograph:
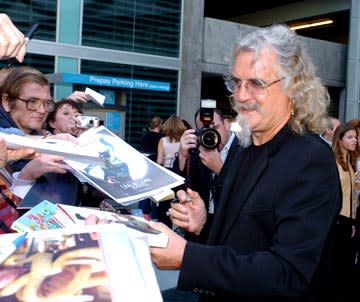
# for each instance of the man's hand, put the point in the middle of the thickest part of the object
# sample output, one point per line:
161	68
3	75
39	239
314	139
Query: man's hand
22	153
9	154
42	164
92	220
3	153
211	159
190	213
188	141
12	41
78	96
171	256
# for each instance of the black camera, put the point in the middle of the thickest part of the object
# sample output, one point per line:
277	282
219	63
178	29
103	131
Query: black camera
208	137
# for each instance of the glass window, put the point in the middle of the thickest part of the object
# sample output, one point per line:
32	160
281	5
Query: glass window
44	63
141	105
26	13
151	27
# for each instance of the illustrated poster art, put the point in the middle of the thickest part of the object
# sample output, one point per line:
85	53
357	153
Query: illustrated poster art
125	174
99	264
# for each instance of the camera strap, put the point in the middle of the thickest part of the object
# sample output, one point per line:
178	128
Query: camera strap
187	167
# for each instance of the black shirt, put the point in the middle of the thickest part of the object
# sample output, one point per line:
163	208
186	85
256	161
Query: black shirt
150	143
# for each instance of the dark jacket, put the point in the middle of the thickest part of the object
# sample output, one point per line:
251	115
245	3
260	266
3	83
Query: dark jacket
5	119
7	122
272	236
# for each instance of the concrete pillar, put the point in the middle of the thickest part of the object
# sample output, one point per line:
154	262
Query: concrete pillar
69	16
353	64
191	57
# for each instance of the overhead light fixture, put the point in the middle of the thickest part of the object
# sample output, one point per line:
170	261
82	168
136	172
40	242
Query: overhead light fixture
312	24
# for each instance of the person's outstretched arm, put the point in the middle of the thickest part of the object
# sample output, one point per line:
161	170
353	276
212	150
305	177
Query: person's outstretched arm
12	41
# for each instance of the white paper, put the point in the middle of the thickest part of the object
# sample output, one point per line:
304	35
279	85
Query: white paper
95	96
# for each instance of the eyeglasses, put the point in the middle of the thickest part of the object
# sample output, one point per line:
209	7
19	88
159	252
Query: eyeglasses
34	104
252	86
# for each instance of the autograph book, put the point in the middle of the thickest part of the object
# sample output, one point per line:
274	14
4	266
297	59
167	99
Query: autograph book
96	263
47	215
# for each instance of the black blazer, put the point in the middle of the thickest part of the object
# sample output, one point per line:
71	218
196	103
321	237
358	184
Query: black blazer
271	239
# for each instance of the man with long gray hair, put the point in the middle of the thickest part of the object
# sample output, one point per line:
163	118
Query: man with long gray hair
272	234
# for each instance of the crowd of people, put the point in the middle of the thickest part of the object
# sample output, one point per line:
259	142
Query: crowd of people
269	214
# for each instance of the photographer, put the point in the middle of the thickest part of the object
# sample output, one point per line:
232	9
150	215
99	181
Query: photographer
67	117
62	118
205	169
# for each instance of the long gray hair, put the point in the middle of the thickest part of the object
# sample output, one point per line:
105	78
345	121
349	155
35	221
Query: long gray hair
309	96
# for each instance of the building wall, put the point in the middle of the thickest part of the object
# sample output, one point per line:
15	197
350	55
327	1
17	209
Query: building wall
191	58
204	47
219	36
207	45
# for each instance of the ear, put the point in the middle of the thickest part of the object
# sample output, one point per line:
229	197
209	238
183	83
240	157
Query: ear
329	131
5	102
227	124
52	124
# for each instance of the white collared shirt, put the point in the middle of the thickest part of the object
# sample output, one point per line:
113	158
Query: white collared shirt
223	154
21	187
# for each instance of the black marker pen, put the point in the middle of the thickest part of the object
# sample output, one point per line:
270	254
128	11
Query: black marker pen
28	37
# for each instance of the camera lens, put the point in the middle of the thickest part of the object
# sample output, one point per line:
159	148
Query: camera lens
91	122
209	138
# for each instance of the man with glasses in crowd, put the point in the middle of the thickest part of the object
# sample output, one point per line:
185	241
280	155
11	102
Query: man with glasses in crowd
26	98
272	234
26	102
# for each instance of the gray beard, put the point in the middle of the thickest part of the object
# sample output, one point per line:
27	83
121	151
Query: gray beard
242	131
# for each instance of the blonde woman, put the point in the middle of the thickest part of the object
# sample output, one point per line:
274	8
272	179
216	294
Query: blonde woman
168	145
